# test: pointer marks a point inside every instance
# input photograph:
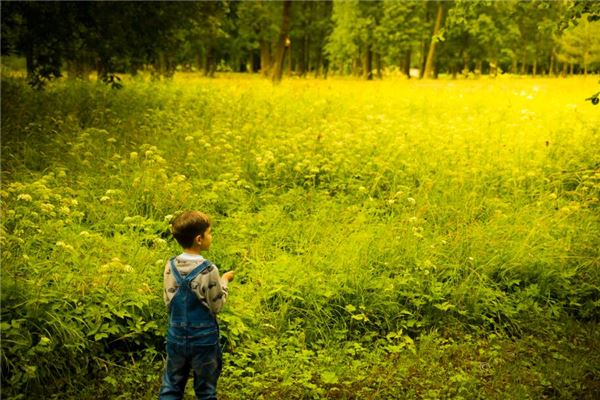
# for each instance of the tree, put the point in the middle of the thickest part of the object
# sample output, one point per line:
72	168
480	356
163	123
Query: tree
478	32
581	43
353	39
310	27
30	29
398	32
342	44
118	36
258	22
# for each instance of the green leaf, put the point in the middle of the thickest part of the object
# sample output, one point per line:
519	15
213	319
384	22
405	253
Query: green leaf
329	378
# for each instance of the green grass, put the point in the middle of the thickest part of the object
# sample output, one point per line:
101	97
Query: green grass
391	240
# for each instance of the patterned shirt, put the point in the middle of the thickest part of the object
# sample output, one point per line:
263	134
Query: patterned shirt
208	286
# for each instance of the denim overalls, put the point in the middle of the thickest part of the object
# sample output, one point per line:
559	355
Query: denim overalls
192	342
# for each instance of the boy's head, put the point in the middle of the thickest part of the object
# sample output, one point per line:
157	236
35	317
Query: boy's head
190	225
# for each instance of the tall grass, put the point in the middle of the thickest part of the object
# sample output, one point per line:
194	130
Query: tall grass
431	232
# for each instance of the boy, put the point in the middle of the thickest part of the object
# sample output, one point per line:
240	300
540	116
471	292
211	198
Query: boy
194	294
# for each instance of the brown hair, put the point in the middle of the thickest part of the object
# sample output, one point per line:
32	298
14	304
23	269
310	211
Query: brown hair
188	225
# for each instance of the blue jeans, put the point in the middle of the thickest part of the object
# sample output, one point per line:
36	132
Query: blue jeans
205	361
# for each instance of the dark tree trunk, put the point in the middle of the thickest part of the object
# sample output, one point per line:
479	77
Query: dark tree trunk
283	42
307	60
318	65
302	62
265	58
368	67
407	56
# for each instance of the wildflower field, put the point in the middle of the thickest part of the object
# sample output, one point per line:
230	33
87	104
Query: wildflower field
391	239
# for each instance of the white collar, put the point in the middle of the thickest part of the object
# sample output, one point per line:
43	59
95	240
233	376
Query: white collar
191	257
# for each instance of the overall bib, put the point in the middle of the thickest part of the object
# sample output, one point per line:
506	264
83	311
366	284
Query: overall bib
192	342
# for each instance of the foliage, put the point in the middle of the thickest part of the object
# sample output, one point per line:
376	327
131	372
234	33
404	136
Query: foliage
581	44
354	36
391	240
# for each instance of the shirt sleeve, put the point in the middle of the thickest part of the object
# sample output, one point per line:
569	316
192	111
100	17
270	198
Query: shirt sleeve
168	284
212	290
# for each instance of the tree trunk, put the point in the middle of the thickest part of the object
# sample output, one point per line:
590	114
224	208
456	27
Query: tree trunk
318	64
207	62
307	60
265	58
524	65
534	69
368	65
378	66
302	61
255	61
356	70
290	61
407	56
424	51
283	43
494	67
431	53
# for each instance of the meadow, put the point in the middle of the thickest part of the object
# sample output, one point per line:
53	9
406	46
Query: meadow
391	239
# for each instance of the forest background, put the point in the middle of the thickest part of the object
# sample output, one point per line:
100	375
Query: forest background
360	38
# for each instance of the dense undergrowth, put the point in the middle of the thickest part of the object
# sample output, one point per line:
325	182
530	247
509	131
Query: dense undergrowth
391	239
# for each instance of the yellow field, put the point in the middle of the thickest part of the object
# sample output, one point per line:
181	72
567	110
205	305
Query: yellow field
391	239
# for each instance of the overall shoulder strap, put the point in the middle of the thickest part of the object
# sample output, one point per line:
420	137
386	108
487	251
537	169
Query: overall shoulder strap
198	270
175	272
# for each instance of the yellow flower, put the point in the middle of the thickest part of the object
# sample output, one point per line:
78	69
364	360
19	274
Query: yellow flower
24	197
47	208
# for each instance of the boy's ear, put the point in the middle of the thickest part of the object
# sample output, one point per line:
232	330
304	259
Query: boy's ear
198	239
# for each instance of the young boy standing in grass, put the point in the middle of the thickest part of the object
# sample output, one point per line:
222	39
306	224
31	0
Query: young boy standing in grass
194	294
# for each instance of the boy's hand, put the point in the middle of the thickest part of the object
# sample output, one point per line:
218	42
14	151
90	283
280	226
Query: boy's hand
228	276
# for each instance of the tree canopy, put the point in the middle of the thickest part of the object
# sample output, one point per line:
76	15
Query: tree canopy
357	37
